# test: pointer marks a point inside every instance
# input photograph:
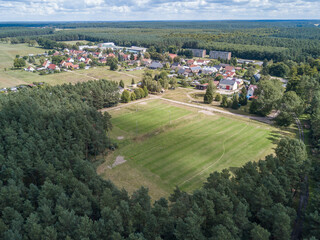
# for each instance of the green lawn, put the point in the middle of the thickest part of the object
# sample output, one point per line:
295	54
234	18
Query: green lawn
184	152
9	51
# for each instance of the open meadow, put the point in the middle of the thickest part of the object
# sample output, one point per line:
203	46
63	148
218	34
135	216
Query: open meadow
11	78
167	145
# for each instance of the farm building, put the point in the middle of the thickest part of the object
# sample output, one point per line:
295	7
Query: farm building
228	84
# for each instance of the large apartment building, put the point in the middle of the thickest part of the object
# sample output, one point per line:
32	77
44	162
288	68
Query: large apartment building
199	52
220	54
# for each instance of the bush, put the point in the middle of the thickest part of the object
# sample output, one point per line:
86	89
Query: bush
145	89
133	96
137	93
125	96
224	102
142	94
218	97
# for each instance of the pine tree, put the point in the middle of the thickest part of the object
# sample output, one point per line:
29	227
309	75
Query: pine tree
208	97
243	96
145	89
121	84
224	102
235	101
218	97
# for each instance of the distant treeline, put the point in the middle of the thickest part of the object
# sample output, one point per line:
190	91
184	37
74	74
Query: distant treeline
277	40
23	31
223	24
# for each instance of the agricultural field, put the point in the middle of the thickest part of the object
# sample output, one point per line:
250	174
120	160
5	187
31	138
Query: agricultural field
167	145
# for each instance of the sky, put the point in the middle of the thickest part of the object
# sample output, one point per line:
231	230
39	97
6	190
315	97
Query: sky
137	10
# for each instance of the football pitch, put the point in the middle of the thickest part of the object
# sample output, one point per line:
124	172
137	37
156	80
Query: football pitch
167	145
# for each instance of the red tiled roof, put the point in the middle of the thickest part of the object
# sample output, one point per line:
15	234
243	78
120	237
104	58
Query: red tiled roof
52	66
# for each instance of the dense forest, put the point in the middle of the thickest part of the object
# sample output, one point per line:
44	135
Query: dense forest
277	40
50	190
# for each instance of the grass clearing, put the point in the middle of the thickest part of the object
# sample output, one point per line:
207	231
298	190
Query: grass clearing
161	155
10	78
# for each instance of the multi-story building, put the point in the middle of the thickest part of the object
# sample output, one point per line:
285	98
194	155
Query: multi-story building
199	52
220	54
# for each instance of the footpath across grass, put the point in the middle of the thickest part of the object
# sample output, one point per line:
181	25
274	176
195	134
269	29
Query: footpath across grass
167	146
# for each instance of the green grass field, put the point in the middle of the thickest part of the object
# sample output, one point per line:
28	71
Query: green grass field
162	155
9	51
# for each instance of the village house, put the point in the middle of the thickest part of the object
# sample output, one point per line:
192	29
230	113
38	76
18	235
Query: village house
190	62
209	70
172	55
81	59
175	65
53	67
88	61
201	62
29	69
250	92
155	65
195	69
228	84
202	86
70	60
46	64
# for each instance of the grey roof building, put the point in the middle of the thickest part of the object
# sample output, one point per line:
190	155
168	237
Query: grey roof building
155	65
220	54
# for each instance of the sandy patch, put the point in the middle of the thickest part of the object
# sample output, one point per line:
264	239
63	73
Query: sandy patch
143	103
206	112
119	160
120	137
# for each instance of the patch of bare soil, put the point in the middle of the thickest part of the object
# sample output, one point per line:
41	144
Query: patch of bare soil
119	160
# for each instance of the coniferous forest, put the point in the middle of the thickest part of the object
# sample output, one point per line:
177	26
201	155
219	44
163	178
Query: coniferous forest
50	190
277	40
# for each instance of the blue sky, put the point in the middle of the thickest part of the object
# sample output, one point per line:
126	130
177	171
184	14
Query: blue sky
120	10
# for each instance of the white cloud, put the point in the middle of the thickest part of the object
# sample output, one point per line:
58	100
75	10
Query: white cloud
52	10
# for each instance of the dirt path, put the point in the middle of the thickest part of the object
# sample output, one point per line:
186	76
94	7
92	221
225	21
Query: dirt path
212	109
209	109
82	75
151	97
127	74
